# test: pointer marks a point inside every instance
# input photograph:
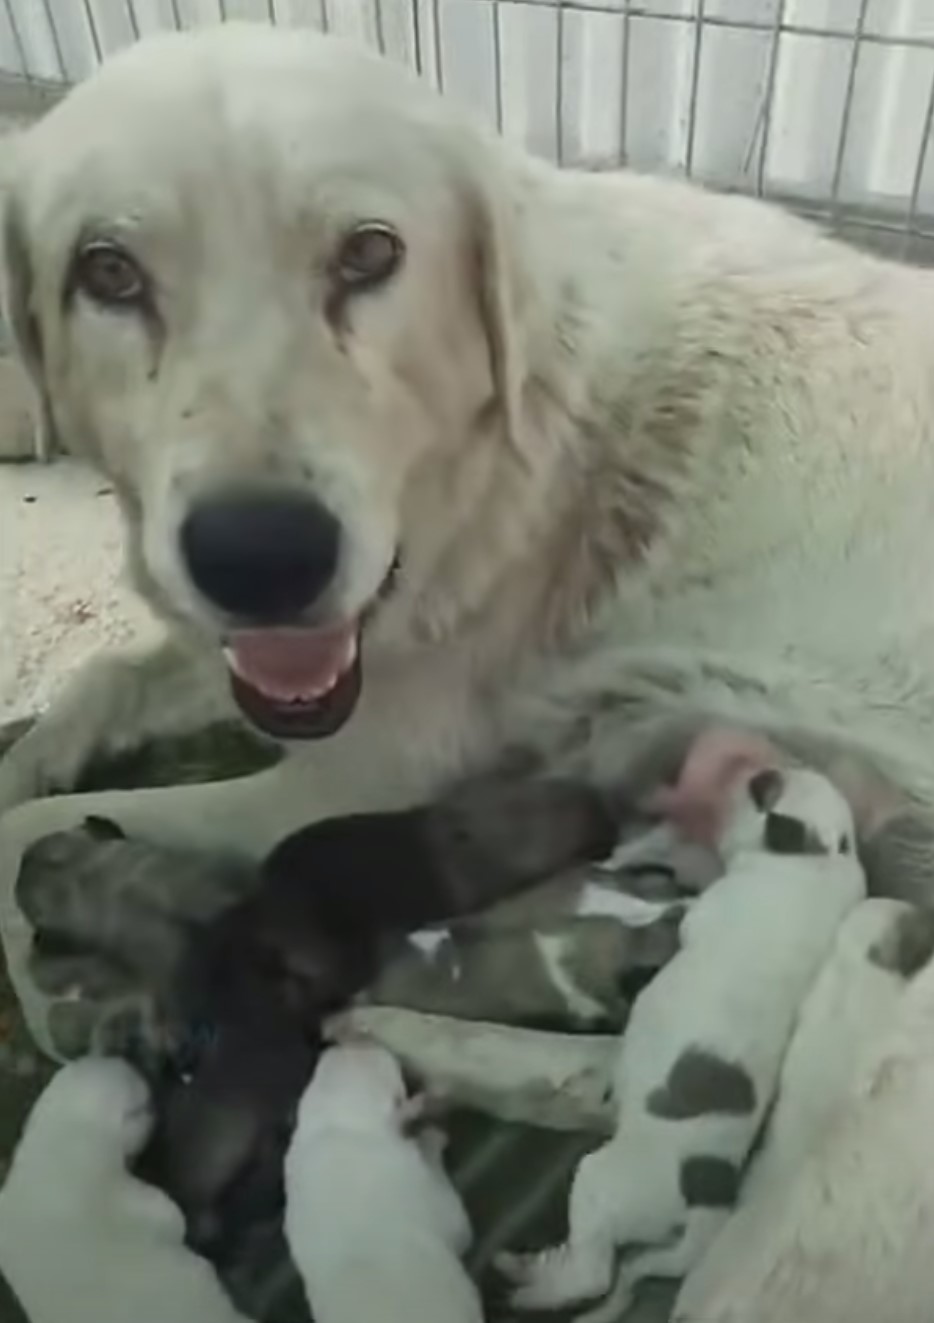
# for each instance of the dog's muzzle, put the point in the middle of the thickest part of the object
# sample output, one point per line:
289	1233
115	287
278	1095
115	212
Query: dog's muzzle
266	560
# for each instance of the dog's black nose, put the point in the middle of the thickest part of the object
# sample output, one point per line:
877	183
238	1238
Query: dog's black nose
262	557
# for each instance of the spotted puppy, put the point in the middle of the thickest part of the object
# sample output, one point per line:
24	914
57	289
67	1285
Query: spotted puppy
700	1061
82	1239
374	1226
880	949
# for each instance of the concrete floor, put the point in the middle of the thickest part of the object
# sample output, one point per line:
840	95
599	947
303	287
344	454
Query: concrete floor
61	594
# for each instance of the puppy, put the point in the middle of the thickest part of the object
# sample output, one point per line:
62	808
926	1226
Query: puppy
567	954
220	1003
373	1223
700	1060
82	1239
371	874
213	978
880	948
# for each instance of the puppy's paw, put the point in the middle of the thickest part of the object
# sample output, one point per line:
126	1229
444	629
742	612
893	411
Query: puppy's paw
555	1278
433	1143
516	1267
412	1112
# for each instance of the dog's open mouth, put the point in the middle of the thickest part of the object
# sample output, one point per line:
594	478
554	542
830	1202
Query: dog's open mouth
296	683
301	682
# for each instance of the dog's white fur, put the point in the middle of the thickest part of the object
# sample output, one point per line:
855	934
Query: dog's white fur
676	430
751	946
649	452
80	1238
374	1225
841	1029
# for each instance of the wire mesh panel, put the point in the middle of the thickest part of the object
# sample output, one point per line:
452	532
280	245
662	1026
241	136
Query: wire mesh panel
825	104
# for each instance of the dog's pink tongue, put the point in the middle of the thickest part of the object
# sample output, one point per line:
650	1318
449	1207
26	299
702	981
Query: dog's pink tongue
293	664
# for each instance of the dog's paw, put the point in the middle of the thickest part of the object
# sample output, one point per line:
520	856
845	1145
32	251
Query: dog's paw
20	781
34	765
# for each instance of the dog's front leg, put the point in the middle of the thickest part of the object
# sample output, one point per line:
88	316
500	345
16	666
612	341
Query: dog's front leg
243	817
114	703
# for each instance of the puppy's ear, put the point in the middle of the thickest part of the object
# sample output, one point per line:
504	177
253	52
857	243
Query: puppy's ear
765	790
20	316
502	286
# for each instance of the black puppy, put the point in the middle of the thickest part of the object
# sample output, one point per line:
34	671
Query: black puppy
332	901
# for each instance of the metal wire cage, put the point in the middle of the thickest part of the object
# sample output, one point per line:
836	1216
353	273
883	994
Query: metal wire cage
826	105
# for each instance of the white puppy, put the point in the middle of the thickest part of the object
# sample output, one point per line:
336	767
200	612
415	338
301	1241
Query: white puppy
81	1240
701	1058
375	1227
770	1261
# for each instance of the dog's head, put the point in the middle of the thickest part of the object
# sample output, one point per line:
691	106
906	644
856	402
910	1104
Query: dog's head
266	281
793	812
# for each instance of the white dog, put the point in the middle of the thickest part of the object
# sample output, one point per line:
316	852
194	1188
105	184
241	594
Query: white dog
767	1263
701	1056
81	1240
458	451
375	1227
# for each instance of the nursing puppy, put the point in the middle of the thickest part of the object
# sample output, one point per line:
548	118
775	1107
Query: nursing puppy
368	877
506	851
220	1000
568	954
82	1239
701	1057
767	1259
332	906
374	1226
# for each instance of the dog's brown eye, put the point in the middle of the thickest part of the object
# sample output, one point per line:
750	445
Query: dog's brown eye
369	255
109	275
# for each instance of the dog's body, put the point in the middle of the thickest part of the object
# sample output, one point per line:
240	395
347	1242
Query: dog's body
644	456
840	1034
701	1057
375	1227
705	434
82	1239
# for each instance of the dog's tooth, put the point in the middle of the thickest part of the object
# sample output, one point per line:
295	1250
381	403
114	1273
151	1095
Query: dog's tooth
230	657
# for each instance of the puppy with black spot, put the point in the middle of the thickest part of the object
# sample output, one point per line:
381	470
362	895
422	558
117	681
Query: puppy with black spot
880	948
700	1060
373	1223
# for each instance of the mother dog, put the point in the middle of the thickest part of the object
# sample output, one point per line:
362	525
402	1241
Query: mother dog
428	453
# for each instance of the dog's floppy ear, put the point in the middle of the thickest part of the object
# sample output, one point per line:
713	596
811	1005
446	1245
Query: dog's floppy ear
20	316
502	287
